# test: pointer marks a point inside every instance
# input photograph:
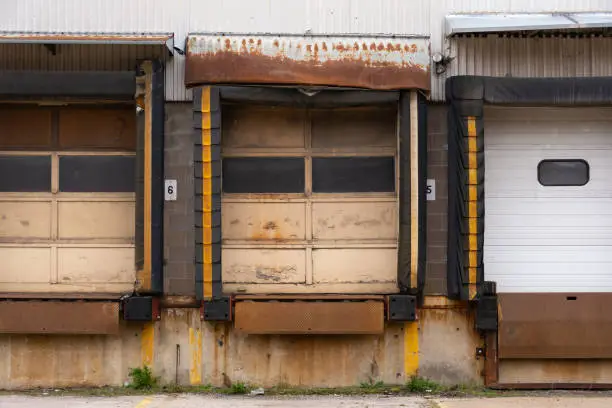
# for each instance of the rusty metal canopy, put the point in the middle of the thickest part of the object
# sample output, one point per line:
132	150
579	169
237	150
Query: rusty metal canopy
19	37
382	63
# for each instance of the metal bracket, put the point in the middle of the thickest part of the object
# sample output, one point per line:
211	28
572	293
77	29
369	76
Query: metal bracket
401	308
141	308
219	309
486	307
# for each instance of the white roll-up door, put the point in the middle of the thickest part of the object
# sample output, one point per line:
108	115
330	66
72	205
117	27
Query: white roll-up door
548	199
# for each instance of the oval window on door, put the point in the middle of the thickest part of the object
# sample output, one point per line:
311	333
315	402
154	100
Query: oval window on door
563	172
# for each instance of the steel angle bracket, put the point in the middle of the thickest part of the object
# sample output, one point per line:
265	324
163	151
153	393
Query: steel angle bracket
217	309
402	308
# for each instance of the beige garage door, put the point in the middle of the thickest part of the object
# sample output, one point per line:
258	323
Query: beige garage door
67	198
309	200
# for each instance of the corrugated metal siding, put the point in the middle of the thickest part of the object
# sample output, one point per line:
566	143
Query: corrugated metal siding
74	57
315	16
440	8
103	16
368	17
183	16
532	57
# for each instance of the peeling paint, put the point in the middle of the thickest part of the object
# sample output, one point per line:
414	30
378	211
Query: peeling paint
373	63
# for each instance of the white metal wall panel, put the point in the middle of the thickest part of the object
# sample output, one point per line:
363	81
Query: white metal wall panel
488	58
399	17
533	57
547	239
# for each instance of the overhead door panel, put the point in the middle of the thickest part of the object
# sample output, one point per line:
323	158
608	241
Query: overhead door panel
309	200
544	235
67	198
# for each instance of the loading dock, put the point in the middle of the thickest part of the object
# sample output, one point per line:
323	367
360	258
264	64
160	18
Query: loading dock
528	225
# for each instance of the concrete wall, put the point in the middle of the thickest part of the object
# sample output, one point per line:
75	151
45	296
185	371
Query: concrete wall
188	351
437	220
179	230
30	361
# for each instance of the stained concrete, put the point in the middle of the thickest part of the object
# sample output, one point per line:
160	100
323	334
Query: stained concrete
189	401
448	343
527	402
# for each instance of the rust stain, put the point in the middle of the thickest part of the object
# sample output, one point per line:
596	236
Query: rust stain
310	318
269	230
544	325
57	317
358	64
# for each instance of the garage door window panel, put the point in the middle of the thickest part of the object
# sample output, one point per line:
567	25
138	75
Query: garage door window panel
353	174
341	209
563	173
263	175
103	174
25	174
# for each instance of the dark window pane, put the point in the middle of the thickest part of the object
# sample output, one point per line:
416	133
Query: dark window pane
353	174
563	172
25	173
99	174
263	175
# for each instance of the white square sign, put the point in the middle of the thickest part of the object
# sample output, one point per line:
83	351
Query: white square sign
170	190
431	190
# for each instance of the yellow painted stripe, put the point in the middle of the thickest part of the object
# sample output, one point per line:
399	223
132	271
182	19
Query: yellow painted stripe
206	194
414	189
472	204
207	278
205	104
206	153
473	193
195	345
472	225
471	122
148	160
473	257
207	219
143	403
472	213
411	349
473	243
207	204
473	160
472	144
473	177
147	340
206	234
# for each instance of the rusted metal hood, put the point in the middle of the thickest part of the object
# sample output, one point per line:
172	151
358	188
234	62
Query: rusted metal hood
382	63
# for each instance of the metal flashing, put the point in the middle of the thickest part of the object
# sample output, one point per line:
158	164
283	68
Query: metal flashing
82	38
508	22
